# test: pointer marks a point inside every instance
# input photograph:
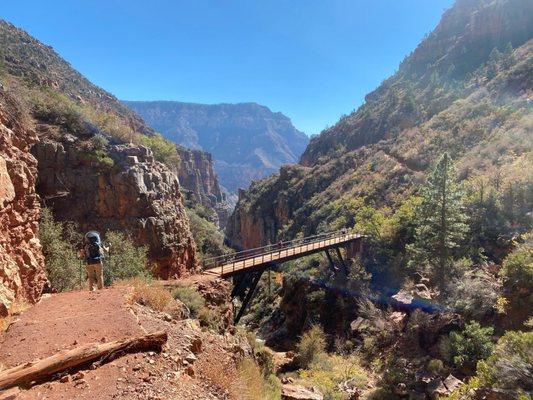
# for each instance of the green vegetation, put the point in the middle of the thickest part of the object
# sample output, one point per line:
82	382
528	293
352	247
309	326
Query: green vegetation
209	318
312	347
441	222
164	150
63	268
509	366
207	236
125	259
191	298
467	347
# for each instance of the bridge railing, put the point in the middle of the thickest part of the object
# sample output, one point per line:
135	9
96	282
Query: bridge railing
228	261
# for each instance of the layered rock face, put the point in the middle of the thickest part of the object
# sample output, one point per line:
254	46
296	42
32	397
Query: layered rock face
248	141
200	182
21	259
136	194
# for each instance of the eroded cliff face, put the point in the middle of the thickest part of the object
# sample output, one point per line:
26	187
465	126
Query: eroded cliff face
200	183
21	260
134	194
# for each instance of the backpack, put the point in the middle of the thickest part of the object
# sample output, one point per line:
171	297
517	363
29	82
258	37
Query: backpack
93	248
95	251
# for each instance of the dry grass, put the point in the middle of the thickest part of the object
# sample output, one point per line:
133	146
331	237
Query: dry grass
223	374
148	293
19	305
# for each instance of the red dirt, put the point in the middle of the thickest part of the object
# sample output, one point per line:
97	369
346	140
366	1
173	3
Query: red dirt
67	320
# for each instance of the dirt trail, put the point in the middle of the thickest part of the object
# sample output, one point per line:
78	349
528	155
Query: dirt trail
66	320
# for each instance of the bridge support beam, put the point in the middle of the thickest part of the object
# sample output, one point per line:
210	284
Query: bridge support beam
344	267
255	280
330	259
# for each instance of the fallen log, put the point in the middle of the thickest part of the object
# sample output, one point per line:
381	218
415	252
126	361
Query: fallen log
28	374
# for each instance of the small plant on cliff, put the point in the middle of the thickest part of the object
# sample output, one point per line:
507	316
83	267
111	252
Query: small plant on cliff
62	265
125	259
191	298
150	293
312	347
164	150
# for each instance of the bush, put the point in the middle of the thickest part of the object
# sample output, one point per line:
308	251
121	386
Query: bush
164	150
63	268
312	346
466	348
149	293
208	238
517	268
209	319
474	294
125	259
510	365
191	298
330	375
56	109
256	386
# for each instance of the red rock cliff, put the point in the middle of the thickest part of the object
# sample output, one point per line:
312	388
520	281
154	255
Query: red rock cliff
21	259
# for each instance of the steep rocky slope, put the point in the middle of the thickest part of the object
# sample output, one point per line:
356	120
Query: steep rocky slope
200	183
247	141
21	260
465	89
87	172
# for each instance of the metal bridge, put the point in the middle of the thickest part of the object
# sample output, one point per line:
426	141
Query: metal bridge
236	263
246	267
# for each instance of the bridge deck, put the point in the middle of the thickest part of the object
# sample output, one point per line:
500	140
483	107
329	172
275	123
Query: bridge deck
282	254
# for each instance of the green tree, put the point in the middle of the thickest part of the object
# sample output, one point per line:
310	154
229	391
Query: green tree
164	150
466	348
441	222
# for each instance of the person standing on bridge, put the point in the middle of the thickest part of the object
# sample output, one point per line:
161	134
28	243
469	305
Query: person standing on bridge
93	253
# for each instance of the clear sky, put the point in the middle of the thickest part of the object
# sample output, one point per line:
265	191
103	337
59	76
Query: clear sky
312	60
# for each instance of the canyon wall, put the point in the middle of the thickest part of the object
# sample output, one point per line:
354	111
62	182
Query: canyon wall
21	260
200	183
131	193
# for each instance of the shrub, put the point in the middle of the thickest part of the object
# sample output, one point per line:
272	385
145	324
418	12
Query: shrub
209	318
55	108
191	298
330	376
125	259
517	268
164	150
509	366
63	268
474	294
312	346
470	345
256	385
150	293
435	366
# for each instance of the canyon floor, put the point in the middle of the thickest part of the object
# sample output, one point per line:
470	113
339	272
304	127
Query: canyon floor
66	320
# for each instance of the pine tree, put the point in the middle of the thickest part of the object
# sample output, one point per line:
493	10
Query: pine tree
441	222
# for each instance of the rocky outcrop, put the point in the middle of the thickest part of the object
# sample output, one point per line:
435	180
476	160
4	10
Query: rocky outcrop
126	191
200	183
21	259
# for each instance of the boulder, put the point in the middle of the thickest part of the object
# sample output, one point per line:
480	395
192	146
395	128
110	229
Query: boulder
297	392
452	383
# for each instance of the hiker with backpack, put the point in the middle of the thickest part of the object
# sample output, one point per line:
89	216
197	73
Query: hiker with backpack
93	252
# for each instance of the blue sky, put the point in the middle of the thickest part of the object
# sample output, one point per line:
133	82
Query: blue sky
311	60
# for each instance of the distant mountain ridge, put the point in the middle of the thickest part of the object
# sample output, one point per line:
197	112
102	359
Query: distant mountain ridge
247	140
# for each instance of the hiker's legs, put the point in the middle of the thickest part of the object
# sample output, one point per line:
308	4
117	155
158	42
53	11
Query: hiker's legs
99	272
91	274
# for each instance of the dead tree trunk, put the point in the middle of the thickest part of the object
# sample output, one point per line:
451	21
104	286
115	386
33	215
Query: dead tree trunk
41	370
